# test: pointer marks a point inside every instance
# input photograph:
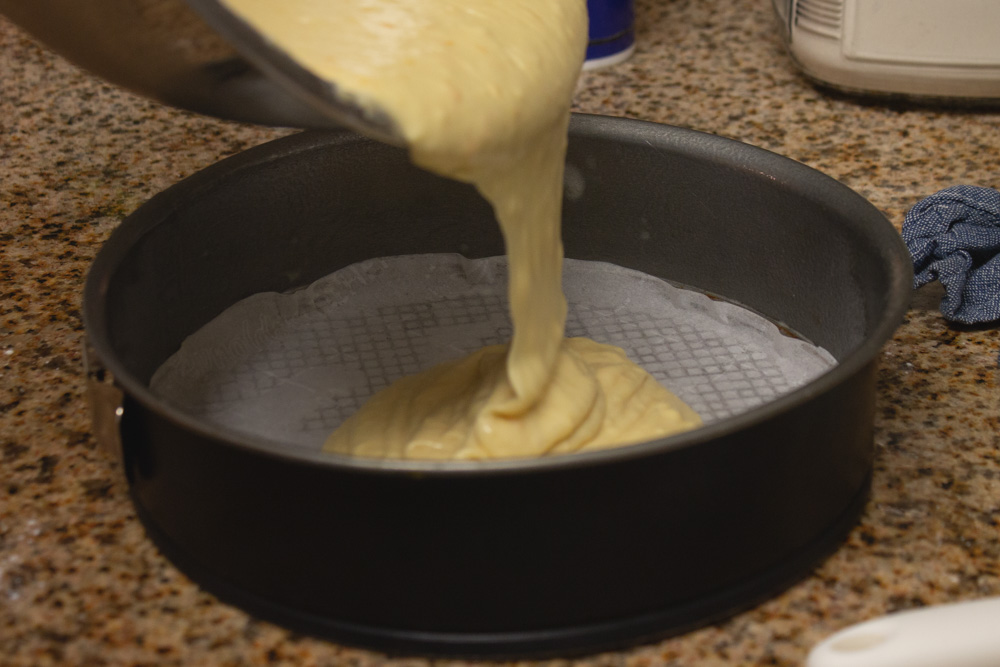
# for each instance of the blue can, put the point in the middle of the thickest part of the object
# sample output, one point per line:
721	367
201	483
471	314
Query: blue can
612	32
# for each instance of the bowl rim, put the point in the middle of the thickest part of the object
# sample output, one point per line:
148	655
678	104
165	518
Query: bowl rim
868	221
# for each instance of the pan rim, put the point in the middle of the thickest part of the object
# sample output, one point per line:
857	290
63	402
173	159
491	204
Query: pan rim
734	154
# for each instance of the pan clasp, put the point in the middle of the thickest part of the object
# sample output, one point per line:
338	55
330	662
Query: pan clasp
105	400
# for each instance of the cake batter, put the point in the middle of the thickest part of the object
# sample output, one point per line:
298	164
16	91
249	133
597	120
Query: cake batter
481	93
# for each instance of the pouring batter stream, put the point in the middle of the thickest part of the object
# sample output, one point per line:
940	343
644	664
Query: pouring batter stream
481	92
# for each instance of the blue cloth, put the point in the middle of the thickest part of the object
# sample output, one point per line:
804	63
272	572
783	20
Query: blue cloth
954	236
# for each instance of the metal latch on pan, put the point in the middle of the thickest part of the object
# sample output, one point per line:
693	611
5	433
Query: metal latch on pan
105	400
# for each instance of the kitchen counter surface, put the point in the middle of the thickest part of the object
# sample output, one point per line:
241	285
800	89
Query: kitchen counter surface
81	585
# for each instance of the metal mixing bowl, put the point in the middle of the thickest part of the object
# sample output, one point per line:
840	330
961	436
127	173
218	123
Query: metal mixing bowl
192	54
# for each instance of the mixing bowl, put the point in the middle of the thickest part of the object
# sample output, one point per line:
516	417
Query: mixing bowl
514	557
196	55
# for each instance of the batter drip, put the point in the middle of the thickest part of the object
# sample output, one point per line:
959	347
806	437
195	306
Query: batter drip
481	93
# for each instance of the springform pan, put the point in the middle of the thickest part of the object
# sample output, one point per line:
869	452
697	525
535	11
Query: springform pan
520	557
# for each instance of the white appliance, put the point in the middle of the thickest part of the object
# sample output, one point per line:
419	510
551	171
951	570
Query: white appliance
923	48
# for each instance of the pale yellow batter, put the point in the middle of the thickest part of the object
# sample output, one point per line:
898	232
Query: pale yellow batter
481	91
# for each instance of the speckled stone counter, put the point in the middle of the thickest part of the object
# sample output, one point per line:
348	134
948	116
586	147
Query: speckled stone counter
81	585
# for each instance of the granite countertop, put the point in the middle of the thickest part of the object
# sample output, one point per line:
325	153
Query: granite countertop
80	583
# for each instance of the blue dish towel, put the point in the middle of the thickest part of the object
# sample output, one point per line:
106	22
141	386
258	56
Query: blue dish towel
954	236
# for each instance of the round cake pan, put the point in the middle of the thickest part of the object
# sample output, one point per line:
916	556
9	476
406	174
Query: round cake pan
519	557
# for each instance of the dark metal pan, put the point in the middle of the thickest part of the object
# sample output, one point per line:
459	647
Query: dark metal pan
523	557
